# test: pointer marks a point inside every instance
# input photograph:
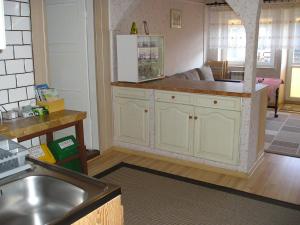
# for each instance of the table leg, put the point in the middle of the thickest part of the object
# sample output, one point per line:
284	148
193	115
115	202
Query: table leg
49	137
82	148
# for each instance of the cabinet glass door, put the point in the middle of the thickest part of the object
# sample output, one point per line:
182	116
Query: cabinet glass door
150	57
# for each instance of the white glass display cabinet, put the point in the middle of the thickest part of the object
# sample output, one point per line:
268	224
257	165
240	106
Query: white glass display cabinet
140	57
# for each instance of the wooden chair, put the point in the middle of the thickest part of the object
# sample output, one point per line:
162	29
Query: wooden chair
219	69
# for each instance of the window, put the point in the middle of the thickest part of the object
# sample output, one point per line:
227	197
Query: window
236	51
265	52
296	50
296	56
231	42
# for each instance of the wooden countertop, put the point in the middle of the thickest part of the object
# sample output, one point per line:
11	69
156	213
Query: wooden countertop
26	126
201	87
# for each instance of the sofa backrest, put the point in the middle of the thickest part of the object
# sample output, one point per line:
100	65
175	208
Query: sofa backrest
204	73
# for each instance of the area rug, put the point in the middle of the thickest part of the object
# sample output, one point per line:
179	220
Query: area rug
283	134
152	197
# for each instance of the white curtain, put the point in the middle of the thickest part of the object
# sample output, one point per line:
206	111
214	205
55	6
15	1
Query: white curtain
279	29
219	34
283	26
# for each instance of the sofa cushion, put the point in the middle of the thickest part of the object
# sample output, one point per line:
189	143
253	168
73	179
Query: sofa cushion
206	73
192	74
178	76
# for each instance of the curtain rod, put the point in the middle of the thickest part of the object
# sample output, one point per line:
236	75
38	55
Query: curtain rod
224	3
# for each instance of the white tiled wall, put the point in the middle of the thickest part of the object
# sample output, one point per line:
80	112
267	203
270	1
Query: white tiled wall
16	63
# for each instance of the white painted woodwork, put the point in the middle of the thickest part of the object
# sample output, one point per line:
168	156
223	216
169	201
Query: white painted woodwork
70	60
127	49
174	127
209	132
174	97
128	58
218	102
217	134
136	93
211	101
131	121
2	27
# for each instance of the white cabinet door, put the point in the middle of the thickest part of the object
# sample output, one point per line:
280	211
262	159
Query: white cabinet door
174	127
217	134
131	121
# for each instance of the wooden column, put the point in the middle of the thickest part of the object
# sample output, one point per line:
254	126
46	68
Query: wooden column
103	73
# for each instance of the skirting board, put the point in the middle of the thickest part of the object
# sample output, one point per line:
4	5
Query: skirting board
182	162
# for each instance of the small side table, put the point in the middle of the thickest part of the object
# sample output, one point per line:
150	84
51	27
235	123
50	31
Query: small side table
27	128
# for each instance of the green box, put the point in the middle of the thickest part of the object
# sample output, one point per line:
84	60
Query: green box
74	165
64	148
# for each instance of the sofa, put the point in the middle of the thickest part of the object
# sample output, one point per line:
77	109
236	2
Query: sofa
204	73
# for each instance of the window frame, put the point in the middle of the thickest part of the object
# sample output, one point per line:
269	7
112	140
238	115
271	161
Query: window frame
224	52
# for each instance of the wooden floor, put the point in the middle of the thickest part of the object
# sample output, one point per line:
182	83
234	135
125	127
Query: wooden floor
294	108
276	177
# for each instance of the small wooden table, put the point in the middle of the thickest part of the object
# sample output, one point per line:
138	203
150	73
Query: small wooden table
27	128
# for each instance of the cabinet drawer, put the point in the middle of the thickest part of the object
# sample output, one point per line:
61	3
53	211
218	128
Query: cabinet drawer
218	102
173	97
135	93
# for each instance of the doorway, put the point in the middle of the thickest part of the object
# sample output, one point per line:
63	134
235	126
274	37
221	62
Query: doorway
71	60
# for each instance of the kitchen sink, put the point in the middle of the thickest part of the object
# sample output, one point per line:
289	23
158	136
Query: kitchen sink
38	200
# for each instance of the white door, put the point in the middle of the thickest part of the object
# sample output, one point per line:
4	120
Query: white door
174	126
293	83
131	121
71	59
217	134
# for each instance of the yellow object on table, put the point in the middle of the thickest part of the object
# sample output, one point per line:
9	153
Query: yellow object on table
42	153
53	106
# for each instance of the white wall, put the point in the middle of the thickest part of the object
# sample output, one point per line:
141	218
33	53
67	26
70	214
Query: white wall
16	61
183	47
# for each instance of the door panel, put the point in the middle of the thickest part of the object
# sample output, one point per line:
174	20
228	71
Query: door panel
217	134
174	127
131	121
68	61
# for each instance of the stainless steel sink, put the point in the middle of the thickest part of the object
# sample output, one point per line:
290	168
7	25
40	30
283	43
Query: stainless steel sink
38	200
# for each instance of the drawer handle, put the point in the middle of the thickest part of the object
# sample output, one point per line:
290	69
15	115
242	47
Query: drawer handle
190	117
196	117
215	102
173	97
146	110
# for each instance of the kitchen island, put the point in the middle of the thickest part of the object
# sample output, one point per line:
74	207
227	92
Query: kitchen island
190	86
197	121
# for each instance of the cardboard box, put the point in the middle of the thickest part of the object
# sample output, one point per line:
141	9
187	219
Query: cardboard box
53	106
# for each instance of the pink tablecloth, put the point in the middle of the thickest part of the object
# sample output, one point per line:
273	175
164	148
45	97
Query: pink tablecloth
273	85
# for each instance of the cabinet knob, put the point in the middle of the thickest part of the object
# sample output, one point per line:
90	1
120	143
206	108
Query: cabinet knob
173	97
146	110
190	117
196	117
215	102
